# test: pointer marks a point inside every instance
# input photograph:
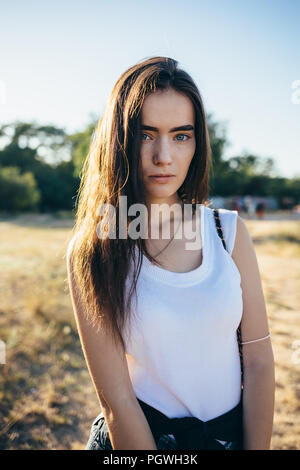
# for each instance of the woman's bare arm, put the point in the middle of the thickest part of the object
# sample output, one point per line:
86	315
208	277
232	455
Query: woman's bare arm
259	373
107	365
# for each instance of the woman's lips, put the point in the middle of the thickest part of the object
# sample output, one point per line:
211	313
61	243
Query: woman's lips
161	179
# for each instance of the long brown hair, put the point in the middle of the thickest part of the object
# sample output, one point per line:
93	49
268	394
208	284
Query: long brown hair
112	169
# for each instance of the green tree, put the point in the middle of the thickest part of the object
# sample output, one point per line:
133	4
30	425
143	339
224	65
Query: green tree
18	192
80	146
44	151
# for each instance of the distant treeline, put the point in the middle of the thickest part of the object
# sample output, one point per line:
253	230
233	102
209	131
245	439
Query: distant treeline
40	168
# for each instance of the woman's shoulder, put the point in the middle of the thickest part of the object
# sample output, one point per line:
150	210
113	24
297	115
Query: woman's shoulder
227	216
222	210
235	229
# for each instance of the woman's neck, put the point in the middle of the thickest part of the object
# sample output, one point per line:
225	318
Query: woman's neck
163	215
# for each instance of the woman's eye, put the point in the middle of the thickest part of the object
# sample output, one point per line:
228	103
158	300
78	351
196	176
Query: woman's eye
183	135
144	136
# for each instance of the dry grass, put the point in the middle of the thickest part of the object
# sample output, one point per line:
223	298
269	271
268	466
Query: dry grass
47	400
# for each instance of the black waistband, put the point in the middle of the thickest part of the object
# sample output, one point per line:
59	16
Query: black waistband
193	433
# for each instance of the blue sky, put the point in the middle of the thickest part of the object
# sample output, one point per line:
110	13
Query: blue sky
60	59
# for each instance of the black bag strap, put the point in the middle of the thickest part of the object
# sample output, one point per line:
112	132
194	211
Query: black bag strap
238	331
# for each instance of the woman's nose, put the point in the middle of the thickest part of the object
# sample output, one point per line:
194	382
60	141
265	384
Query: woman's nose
162	152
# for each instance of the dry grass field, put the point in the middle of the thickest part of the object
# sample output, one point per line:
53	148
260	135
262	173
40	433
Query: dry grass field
47	400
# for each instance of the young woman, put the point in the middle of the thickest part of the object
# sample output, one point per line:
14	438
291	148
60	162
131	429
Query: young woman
164	321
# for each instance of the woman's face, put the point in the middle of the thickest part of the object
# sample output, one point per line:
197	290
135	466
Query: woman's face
167	143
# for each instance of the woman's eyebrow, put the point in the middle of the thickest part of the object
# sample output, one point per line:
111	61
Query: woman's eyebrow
187	127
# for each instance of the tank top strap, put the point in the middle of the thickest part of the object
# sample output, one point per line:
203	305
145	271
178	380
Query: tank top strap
219	227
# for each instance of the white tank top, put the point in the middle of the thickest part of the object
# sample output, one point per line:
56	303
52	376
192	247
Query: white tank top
181	348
